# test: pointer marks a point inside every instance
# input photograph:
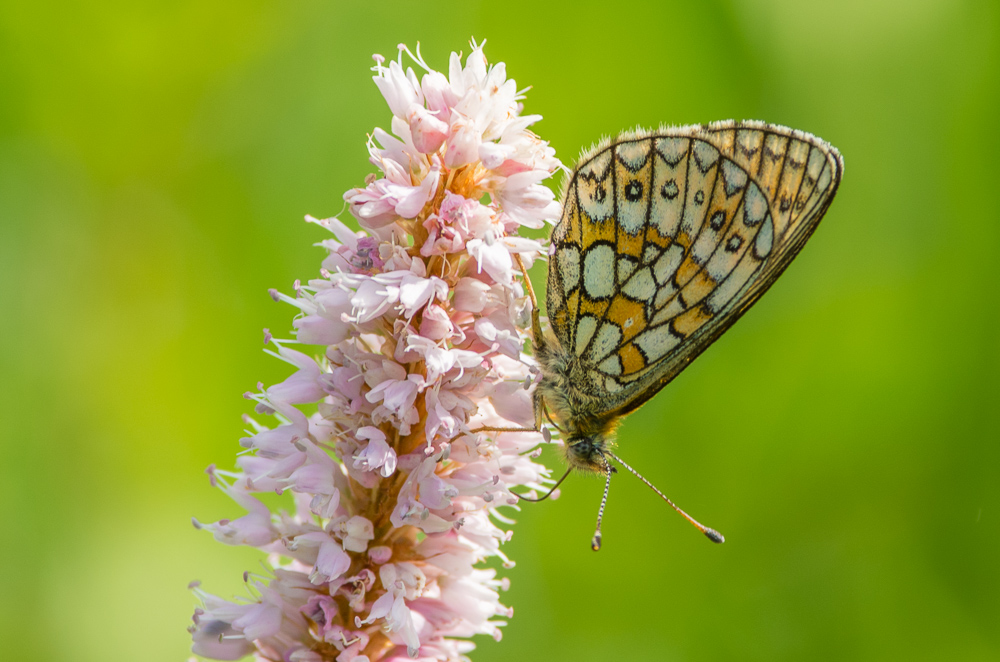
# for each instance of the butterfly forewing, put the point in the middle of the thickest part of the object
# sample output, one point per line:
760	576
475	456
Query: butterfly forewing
667	237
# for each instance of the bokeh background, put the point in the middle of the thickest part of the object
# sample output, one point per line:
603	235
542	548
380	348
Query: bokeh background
156	160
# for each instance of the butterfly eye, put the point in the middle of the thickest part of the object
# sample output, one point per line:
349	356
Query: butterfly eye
586	453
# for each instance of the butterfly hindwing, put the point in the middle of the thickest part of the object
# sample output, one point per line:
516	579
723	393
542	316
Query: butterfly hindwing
667	237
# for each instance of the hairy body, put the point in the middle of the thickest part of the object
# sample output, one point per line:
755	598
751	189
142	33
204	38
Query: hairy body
587	435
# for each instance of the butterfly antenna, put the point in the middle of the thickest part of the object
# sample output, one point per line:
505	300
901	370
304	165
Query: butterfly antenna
712	534
547	494
595	542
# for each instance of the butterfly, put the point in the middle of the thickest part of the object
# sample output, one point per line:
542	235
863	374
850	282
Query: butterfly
667	237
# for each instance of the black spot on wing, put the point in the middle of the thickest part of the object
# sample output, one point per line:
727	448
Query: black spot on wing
669	189
633	191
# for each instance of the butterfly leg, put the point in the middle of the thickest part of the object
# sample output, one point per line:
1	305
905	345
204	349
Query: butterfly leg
541	413
537	338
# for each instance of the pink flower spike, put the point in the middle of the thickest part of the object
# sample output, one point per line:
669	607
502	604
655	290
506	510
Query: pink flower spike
391	506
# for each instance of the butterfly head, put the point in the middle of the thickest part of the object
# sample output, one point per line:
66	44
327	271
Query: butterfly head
588	452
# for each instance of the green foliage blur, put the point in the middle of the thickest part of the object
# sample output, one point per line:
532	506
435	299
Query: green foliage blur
156	160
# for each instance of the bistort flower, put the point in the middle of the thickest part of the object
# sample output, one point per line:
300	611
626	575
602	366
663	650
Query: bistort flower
421	317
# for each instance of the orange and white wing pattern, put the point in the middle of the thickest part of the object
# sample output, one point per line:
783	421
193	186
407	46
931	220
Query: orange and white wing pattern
667	237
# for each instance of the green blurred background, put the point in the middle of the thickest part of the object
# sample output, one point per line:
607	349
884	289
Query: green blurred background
156	160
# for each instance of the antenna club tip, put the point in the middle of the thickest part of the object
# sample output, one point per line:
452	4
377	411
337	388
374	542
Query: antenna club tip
714	535
595	542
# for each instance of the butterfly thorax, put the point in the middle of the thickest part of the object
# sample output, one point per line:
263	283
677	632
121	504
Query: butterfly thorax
587	429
